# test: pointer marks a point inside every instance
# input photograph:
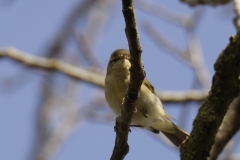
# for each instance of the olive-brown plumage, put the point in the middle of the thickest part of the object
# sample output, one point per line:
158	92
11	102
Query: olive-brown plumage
150	113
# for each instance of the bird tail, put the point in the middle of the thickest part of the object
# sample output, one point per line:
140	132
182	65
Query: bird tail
178	137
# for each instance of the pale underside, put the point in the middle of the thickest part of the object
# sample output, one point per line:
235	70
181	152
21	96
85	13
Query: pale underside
150	113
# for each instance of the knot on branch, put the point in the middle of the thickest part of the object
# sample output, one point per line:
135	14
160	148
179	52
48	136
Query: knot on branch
127	11
132	96
232	39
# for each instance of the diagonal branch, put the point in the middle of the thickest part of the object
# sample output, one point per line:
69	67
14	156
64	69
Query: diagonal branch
205	2
197	60
224	89
231	122
237	12
228	128
67	27
160	41
137	75
64	126
53	64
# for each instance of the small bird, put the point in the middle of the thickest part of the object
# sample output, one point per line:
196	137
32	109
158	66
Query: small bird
150	113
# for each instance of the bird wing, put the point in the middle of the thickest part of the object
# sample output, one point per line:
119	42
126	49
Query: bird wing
149	86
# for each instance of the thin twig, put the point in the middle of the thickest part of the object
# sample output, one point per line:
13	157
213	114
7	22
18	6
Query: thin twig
197	60
137	75
164	14
98	18
179	53
205	2
86	50
67	27
67	110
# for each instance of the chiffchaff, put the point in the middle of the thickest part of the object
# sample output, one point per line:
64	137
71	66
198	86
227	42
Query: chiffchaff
150	113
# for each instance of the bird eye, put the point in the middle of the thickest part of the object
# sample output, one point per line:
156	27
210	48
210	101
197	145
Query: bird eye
115	60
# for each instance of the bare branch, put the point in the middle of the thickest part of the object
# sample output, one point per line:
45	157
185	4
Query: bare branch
224	89
161	12
90	77
179	53
205	2
98	18
230	124
67	111
228	128
191	56
93	78
137	74
237	11
182	96
53	64
66	29
197	60
83	43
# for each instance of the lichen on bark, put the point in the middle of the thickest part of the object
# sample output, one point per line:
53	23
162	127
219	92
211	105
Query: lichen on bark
225	87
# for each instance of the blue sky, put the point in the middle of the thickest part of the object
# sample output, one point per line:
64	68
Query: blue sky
31	25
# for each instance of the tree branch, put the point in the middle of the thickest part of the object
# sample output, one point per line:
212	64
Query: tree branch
231	122
237	11
53	64
224	89
137	75
182	96
66	29
163	43
228	128
205	2
93	78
